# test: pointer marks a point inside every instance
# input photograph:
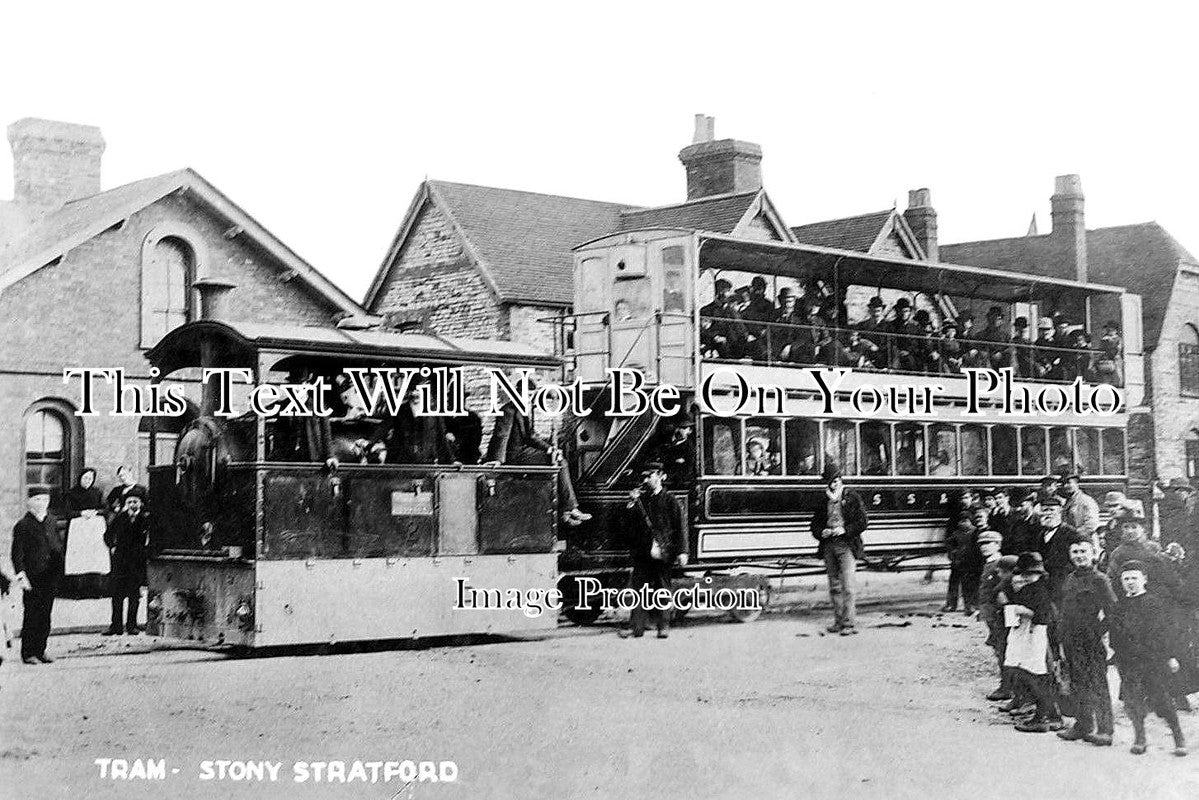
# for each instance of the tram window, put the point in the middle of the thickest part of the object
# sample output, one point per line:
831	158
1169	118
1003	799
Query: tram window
1003	450
762	451
876	448
722	446
1032	451
1086	450
629	299
974	450
803	439
1061	455
909	448
841	446
674	295
943	448
1113	451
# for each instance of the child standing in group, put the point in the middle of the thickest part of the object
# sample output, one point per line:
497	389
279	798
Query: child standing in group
1087	606
1027	618
997	570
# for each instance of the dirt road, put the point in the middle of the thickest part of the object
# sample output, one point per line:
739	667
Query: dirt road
770	709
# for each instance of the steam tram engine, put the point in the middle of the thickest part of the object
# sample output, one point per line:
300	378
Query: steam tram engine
269	531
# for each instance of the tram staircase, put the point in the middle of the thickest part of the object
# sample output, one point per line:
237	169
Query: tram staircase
622	447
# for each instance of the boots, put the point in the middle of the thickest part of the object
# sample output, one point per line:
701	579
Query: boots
1180	745
1138	743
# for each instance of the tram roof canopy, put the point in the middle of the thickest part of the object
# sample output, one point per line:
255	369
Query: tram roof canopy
890	272
236	344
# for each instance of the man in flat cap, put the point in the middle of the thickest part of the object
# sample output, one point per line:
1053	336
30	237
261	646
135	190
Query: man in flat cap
838	525
1088	603
995	571
126	538
658	541
37	559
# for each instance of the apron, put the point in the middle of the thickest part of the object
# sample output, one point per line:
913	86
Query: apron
1028	647
86	551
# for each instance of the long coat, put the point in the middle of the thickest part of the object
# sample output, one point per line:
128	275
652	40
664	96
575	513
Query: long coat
126	539
853	511
37	550
656	518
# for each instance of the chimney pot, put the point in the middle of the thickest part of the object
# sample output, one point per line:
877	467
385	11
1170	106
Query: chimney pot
214	298
725	166
54	162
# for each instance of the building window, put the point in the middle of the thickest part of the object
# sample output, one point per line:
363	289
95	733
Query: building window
52	444
1188	361
168	271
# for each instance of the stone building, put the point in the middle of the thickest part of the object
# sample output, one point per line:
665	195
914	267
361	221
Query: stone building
1145	259
93	278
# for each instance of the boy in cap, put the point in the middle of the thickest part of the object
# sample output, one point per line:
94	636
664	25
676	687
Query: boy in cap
995	571
1027	618
1141	639
658	541
1087	606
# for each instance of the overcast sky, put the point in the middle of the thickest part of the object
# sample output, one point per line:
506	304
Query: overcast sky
322	119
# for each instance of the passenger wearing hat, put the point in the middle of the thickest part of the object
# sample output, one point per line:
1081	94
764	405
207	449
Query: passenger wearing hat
657	541
757	313
675	449
993	575
1046	359
950	347
1141	640
722	330
37	559
905	338
788	322
1056	538
1088	603
1027	618
873	335
997	337
1109	366
838	525
1079	511
1022	352
126	538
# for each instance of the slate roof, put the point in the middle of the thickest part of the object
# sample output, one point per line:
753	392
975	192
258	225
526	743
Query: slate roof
718	214
78	221
524	239
848	233
1143	258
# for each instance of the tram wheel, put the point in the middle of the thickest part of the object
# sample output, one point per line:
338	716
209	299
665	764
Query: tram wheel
744	615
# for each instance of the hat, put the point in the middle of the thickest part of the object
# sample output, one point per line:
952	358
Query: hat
990	537
1071	476
1131	515
652	466
722	283
903	302
758	281
1021	322
994	311
36	491
831	472
786	292
1044	322
1008	562
1134	564
1113	497
1051	502
1180	483
1111	323
137	490
922	317
876	302
1050	479
1029	563
1059	319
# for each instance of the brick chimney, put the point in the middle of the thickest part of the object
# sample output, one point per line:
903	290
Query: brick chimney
719	167
1069	225
922	219
54	162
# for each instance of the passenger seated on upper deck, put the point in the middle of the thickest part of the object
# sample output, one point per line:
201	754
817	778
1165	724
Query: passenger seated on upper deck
816	344
1080	364
758	309
722	331
873	331
784	334
926	350
1109	366
1022	349
1043	350
951	349
758	458
905	337
996	339
1055	355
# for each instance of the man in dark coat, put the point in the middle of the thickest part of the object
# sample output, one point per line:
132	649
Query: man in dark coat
1024	528
464	436
1056	537
126	539
1088	603
1141	639
838	525
874	332
37	558
657	541
905	337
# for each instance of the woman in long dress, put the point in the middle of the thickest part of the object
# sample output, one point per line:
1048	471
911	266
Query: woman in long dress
87	556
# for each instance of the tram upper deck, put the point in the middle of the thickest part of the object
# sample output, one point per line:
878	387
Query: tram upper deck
681	304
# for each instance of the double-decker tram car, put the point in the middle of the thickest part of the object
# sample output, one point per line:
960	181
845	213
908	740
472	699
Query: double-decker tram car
270	530
963	378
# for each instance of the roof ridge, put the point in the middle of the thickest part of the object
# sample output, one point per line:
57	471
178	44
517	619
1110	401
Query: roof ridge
437	182
886	212
695	202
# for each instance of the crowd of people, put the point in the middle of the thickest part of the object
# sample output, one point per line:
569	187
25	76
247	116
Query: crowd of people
810	327
1057	590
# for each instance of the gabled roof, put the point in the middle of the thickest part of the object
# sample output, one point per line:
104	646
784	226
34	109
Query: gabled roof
61	230
719	214
520	241
848	233
1143	258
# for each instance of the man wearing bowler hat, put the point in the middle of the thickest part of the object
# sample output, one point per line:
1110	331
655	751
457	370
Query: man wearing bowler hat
873	334
37	558
905	337
126	538
837	525
658	541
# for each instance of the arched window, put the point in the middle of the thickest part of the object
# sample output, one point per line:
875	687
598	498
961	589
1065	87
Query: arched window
1188	361
52	448
168	271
